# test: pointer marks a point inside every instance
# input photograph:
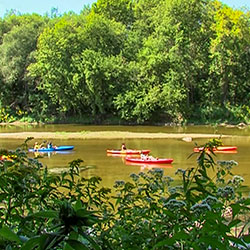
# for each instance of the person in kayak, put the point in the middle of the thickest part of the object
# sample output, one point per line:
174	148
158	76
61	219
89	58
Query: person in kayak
36	146
50	145
148	157
144	157
124	147
43	144
39	146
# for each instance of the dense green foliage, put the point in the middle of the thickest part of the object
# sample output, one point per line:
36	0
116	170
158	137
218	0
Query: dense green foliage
135	61
40	210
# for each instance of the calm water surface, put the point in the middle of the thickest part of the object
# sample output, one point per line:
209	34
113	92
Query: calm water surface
232	130
93	152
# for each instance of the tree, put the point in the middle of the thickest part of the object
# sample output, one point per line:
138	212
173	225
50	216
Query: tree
230	55
102	34
169	62
52	68
118	10
15	56
102	78
71	63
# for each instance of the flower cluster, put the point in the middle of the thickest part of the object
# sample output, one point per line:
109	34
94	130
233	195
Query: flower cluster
168	179
143	175
210	200
226	192
173	190
119	184
237	180
201	208
228	165
174	204
135	177
157	172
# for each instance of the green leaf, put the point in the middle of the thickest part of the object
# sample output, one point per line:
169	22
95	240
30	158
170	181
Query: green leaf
76	245
246	238
83	213
6	233
166	242
236	208
78	205
31	243
213	243
46	214
73	235
234	223
91	241
181	236
237	241
67	247
247	201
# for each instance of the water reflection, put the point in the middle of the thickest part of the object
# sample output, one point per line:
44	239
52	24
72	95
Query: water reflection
144	166
51	153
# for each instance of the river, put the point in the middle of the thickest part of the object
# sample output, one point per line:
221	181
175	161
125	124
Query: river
110	169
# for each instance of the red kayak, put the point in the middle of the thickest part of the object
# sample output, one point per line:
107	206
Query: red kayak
150	160
218	149
127	152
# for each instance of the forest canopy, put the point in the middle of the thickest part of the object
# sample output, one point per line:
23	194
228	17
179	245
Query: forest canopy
128	61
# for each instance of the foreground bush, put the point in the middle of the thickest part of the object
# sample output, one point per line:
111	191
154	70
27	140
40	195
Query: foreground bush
43	211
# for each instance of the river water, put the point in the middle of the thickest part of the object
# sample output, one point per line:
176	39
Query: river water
110	169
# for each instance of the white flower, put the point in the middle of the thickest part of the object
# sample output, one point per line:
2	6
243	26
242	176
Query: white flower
226	192
237	180
119	184
172	190
174	204
168	179
227	164
201	208
135	177
210	200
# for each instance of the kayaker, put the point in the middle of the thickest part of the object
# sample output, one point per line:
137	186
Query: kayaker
49	145
36	146
147	157
124	146
42	145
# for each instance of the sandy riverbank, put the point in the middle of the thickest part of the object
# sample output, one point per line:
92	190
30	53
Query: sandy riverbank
106	135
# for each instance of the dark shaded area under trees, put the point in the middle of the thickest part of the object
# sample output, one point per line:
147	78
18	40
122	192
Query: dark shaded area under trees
127	62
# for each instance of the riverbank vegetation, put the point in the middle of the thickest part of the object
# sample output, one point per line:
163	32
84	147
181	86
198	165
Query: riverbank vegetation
127	62
39	210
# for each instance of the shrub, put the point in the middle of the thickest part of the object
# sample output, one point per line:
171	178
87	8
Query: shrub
204	212
44	211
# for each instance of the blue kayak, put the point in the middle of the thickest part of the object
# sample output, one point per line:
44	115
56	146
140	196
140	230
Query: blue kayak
59	148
